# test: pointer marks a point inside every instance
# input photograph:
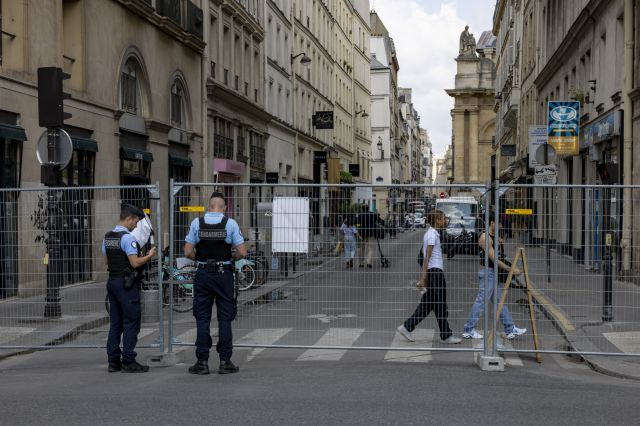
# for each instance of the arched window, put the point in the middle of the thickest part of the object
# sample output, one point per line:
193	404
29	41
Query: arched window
130	96
178	113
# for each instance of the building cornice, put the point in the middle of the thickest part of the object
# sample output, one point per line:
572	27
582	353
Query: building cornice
312	36
279	13
278	68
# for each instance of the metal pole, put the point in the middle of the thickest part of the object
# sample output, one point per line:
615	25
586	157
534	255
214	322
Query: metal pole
547	217
52	308
171	259
159	268
607	284
487	217
496	246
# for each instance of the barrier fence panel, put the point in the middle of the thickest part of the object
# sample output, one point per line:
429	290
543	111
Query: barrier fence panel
582	253
53	279
308	285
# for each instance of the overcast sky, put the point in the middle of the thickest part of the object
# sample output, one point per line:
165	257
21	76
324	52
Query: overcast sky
426	34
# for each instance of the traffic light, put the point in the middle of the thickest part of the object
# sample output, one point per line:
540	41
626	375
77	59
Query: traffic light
50	97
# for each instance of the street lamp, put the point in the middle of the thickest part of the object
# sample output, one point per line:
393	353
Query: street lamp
305	60
380	147
363	112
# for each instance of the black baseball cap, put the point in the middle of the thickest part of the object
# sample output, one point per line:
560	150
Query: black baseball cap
132	210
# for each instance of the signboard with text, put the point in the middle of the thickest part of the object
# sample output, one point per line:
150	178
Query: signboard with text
537	138
563	127
545	175
323	120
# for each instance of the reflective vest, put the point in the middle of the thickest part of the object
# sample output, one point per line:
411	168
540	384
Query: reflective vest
212	244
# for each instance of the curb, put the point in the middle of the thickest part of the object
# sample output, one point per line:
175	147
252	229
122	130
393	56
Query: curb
558	317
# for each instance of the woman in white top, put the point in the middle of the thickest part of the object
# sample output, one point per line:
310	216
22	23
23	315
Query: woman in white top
432	279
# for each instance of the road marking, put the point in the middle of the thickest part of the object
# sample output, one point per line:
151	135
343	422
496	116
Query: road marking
333	337
627	341
423	338
511	358
261	336
8	334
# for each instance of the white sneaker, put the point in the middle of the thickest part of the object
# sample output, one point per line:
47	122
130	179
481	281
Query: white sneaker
516	332
452	340
406	333
473	334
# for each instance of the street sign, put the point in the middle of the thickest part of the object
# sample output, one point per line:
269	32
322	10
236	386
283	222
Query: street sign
319	156
545	175
537	137
271	177
551	155
323	120
443	194
63	149
564	127
519	211
191	209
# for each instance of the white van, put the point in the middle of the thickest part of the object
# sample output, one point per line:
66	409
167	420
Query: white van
458	207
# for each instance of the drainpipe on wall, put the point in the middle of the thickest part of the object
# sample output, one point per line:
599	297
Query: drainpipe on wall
204	97
628	137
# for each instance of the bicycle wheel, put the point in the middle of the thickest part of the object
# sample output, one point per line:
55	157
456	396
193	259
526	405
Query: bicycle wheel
183	291
261	270
245	278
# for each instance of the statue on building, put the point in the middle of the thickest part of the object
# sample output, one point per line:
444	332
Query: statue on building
467	43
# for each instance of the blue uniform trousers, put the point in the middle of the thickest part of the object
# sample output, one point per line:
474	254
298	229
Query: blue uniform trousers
215	287
124	316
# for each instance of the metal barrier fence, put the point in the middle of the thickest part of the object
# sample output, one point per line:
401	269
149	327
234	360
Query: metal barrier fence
582	254
52	284
309	295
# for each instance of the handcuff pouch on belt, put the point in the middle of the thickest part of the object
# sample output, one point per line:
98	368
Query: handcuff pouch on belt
130	279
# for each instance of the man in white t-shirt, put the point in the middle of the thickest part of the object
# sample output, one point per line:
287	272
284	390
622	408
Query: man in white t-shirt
432	279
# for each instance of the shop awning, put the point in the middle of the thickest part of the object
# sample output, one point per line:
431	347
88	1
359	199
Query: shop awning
9	131
180	161
135	154
84	144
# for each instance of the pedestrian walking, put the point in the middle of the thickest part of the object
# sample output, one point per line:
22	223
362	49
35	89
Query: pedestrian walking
433	280
349	233
487	272
210	242
366	232
123	258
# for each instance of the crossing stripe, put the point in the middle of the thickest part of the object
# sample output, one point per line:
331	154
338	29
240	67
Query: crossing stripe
333	337
261	336
423	338
627	341
8	334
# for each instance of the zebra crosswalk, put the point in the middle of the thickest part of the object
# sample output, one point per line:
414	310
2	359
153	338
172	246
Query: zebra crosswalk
320	350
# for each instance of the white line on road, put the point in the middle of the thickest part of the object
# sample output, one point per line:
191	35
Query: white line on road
423	338
8	334
261	336
333	337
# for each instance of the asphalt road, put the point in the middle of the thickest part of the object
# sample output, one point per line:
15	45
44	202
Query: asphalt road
328	306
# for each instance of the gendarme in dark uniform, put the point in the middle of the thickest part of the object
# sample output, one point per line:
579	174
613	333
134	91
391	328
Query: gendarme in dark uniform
123	257
210	242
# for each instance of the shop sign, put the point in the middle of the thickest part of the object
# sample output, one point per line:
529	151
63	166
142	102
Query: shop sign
563	127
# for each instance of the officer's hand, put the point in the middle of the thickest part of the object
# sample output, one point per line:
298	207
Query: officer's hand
152	252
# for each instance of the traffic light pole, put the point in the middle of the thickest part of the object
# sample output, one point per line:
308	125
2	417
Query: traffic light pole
50	175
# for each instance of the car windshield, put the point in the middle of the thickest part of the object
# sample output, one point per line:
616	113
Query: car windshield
467	224
418	215
458	210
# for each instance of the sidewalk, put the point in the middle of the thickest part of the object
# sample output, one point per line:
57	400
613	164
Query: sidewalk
573	302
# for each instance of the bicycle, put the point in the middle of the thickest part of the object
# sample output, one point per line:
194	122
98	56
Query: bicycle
182	285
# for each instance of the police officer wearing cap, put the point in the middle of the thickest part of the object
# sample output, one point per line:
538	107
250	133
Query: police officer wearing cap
123	258
210	242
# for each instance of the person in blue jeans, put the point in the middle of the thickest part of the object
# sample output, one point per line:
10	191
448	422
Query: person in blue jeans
487	272
349	233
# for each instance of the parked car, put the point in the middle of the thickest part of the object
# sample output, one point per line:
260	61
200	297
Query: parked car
419	220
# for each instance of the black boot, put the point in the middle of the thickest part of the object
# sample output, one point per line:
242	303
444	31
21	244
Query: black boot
115	366
134	367
200	367
227	367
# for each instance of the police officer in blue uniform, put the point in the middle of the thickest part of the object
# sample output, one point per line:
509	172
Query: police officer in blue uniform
210	242
123	258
